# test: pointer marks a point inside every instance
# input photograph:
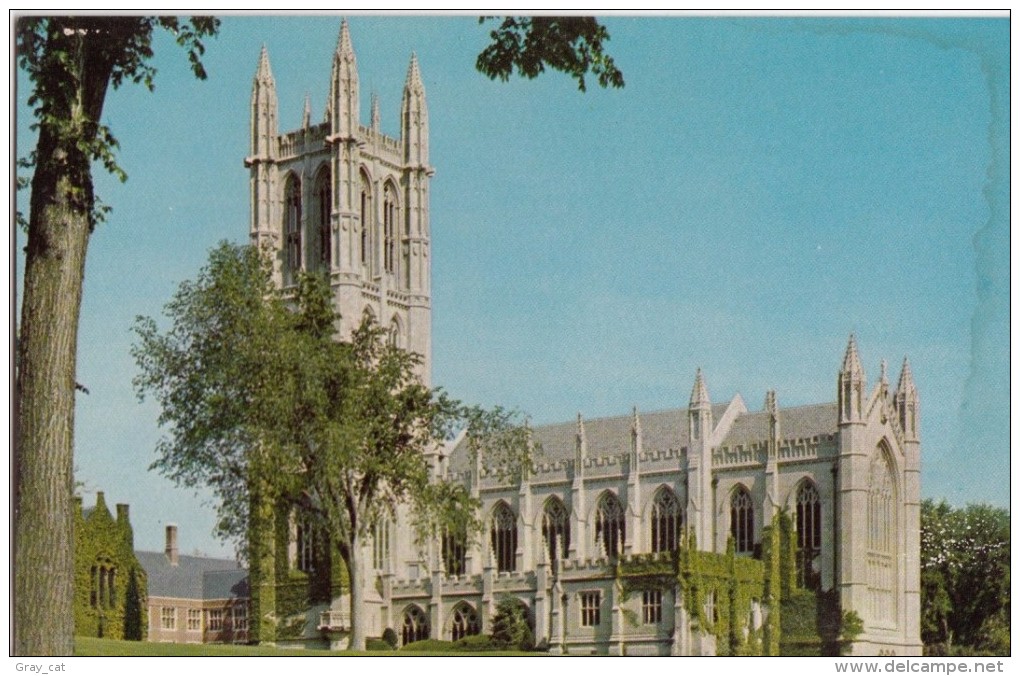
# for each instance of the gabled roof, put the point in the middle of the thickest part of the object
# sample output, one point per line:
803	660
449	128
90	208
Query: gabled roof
194	577
797	422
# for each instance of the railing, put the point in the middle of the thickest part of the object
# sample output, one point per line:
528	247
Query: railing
336	620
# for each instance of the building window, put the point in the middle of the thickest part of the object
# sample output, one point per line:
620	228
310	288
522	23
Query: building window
591	604
504	538
651	606
396	336
710	607
455	552
556	529
194	619
809	535
610	530
305	546
742	520
416	625
667	520
168	619
239	621
366	217
464	622
882	539
389	225
214	620
292	226
324	203
102	591
381	544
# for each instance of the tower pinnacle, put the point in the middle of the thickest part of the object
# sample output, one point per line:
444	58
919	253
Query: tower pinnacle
699	394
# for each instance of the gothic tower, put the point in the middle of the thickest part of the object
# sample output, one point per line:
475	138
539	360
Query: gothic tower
345	200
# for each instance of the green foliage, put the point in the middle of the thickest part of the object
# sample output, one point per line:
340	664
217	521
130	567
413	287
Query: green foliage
572	45
430	645
965	577
378	644
390	636
477	643
510	627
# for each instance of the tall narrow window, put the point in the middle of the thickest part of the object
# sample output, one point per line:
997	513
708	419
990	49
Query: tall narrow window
742	520
305	546
591	608
809	534
381	544
416	625
556	529
610	529
292	226
651	606
366	221
455	552
504	538
882	539
667	520
324	204
464	622
389	228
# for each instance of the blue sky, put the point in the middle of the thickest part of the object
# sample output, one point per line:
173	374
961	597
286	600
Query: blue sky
760	189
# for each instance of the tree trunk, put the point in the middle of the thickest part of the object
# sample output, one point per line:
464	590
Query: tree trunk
357	582
43	538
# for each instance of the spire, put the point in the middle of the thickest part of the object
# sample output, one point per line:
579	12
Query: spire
635	423
581	445
264	75
344	47
851	361
375	112
413	81
906	386
307	117
771	406
699	394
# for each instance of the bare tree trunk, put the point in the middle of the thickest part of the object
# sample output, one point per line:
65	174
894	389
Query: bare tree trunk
43	538
357	583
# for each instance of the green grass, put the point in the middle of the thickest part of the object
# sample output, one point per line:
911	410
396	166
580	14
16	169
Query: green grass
109	648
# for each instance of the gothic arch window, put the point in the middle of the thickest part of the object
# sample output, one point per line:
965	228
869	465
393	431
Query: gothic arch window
323	208
381	543
882	537
416	625
504	537
304	537
292	226
809	534
396	335
455	551
556	529
610	528
366	222
390	228
463	622
742	520
667	520
102	592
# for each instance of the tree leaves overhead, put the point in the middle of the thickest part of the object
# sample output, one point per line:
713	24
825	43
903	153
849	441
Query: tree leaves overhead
573	45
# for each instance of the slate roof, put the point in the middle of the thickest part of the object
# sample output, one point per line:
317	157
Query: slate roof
662	430
194	577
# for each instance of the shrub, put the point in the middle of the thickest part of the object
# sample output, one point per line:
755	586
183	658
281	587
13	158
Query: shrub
510	625
391	638
475	644
378	644
430	645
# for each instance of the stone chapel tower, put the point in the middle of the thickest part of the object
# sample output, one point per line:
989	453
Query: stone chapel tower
348	201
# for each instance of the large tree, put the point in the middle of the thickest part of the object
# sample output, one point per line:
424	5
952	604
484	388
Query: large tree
71	62
264	405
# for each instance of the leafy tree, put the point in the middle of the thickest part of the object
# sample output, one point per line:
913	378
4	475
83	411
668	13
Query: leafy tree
573	45
510	628
71	62
965	557
265	406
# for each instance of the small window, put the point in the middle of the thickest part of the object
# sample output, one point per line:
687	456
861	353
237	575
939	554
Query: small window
194	619
168	619
591	606
239	622
455	552
651	606
214	621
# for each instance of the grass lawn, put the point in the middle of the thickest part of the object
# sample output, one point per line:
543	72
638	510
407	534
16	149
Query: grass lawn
104	647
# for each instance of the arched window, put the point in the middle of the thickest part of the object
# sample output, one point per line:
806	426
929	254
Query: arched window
324	206
102	593
610	530
455	552
667	520
464	622
556	529
742	520
416	625
882	538
504	538
292	226
396	336
305	539
389	228
366	220
809	534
